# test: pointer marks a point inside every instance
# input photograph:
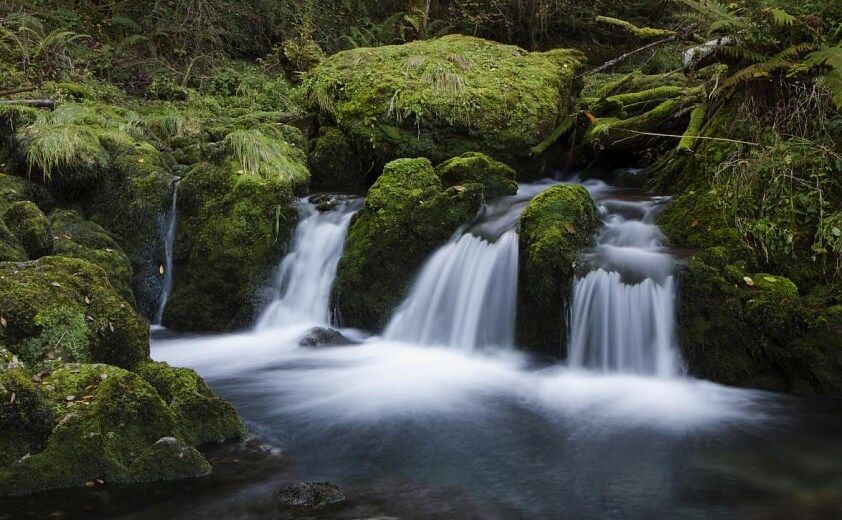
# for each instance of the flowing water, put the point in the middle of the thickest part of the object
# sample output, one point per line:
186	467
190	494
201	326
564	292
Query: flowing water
622	316
301	292
170	228
441	418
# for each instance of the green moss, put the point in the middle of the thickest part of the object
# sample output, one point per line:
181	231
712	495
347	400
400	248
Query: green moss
202	416
554	228
236	216
17	189
10	248
689	138
64	335
407	214
169	459
30	227
443	97
496	178
644	33
25	417
76	237
107	419
334	163
56	290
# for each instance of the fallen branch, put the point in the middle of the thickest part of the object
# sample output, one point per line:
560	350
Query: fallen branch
36	103
656	134
624	57
18	90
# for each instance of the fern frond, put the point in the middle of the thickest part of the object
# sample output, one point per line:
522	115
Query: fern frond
781	17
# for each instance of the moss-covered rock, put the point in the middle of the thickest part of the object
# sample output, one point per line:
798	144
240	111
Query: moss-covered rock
407	214
25	417
443	97
75	237
752	329
555	226
334	163
169	459
10	248
107	424
66	308
17	189
496	178
202	416
236	216
30	227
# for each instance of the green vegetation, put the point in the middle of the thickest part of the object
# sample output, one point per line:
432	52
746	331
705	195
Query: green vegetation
554	228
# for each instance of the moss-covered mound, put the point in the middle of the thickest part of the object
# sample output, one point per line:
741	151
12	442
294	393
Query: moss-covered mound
236	215
407	214
555	226
334	163
750	329
30	227
10	248
66	308
496	178
443	97
75	237
86	423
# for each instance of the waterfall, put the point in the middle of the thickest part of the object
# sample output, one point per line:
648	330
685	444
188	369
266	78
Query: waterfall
301	292
464	297
622	316
170	227
466	294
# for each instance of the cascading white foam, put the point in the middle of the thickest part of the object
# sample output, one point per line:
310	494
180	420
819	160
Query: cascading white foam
169	241
305	275
465	296
622	312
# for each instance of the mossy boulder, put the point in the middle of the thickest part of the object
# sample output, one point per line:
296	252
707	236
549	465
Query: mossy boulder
555	226
202	416
236	216
25	417
169	459
750	329
407	214
334	163
66	308
75	237
31	228
10	248
497	179
108	423
442	97
17	189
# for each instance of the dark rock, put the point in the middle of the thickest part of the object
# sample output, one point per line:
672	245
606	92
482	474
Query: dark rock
326	202
309	495
324	337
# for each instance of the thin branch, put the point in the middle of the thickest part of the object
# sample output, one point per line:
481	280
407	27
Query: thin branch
655	134
624	57
18	90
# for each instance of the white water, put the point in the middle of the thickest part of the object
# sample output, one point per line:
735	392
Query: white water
622	315
301	292
169	241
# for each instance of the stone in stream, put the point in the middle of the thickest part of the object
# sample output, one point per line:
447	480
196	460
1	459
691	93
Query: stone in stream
309	495
324	337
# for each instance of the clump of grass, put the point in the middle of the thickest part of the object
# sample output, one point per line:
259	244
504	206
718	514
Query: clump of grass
414	63
54	147
461	61
262	152
444	80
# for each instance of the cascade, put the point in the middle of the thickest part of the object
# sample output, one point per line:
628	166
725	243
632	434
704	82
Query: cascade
170	227
466	294
301	291
622	308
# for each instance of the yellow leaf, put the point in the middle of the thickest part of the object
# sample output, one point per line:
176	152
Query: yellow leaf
161	269
141	160
570	229
748	281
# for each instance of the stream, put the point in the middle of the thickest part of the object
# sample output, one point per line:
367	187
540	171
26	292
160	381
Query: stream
442	417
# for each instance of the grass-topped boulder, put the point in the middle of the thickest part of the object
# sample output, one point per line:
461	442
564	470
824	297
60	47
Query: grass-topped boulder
236	215
443	97
65	308
555	226
409	212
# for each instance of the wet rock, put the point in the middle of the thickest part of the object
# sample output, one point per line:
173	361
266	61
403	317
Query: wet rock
326	202
309	495
324	337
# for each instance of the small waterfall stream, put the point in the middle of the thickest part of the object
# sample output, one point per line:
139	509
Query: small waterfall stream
301	292
466	294
170	227
622	309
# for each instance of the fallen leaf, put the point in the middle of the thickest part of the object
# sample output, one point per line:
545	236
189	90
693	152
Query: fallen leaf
109	250
141	160
111	326
770	279
12	400
3	322
694	223
570	228
55	284
70	398
161	269
87	300
103	376
748	281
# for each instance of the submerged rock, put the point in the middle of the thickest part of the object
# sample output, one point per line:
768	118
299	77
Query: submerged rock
407	214
439	98
324	337
309	495
555	226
